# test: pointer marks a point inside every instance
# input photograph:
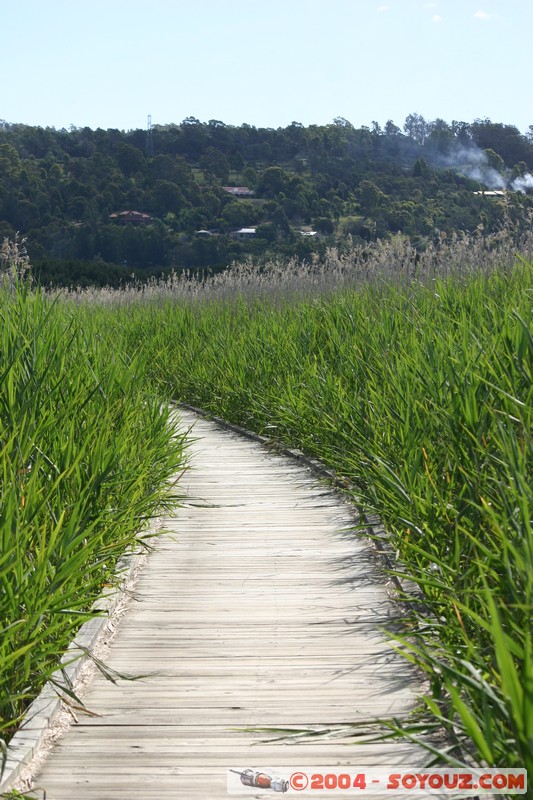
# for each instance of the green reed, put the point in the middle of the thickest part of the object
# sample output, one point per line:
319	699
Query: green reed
418	391
421	395
86	456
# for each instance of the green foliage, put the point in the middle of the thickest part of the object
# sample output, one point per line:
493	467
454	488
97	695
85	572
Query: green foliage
418	392
59	188
421	395
86	454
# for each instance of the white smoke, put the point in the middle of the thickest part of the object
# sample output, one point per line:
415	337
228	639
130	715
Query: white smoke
489	176
523	183
474	163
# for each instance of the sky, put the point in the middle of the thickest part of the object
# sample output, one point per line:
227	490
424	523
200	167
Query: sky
111	63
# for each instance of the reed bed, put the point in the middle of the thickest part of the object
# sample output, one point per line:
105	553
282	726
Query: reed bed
408	373
86	459
351	265
420	394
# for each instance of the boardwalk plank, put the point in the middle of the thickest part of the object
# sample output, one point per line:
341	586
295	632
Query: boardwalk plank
260	608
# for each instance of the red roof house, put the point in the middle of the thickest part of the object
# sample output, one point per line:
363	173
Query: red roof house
131	217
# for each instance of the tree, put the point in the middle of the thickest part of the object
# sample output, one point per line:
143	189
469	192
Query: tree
168	197
194	137
519	170
239	214
161	167
440	135
494	160
267	231
416	128
214	164
9	163
391	129
341	122
506	140
420	169
324	225
237	162
371	196
461	132
249	176
272	182
61	186
130	159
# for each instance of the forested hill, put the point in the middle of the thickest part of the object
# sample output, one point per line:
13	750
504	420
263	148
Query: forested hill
204	194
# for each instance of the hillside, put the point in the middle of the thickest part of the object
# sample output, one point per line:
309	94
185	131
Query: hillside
201	195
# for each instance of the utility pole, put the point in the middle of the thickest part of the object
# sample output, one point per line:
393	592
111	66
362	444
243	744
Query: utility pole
149	137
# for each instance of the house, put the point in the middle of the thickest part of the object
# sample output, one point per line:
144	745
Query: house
492	192
238	191
244	233
131	217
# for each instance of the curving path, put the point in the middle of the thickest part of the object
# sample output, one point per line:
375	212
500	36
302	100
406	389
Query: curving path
261	609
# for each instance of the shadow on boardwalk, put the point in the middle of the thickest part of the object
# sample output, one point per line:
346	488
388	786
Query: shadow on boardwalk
259	610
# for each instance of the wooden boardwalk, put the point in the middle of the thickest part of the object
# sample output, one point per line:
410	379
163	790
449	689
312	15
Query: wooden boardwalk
260	610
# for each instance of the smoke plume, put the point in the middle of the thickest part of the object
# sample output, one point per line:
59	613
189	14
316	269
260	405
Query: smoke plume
523	184
474	163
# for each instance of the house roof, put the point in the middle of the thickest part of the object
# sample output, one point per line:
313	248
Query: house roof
139	216
237	189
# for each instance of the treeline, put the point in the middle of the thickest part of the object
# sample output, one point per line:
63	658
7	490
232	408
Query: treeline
60	188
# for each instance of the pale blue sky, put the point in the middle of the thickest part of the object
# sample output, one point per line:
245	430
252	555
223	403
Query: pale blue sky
110	63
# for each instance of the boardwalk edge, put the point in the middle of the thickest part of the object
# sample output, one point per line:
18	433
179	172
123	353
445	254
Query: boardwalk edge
43	711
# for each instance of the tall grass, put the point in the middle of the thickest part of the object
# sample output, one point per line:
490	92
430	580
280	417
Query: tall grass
421	394
391	260
86	454
410	374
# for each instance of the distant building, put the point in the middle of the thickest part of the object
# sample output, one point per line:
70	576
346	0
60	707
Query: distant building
244	233
492	192
238	191
308	233
131	217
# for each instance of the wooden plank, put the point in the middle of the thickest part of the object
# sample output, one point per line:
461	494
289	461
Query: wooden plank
260	608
